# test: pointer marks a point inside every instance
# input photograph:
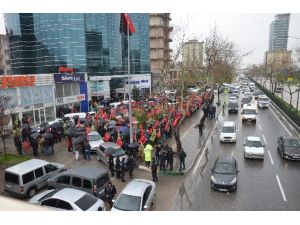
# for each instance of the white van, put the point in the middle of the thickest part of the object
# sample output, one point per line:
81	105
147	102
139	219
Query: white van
24	179
71	116
263	101
228	132
249	112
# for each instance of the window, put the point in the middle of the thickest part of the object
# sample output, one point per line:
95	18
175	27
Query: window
76	181
50	168
64	180
64	205
86	202
146	195
50	202
28	177
12	178
39	172
87	184
102	180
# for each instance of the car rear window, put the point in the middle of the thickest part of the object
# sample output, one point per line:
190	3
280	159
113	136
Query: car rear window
86	202
11	178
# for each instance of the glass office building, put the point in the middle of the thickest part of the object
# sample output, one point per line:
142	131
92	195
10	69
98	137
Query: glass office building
92	43
279	31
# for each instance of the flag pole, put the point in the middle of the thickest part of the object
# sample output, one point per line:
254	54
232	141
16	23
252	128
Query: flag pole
129	90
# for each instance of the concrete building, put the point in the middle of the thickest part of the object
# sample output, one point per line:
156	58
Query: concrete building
279	58
192	54
159	47
279	31
4	55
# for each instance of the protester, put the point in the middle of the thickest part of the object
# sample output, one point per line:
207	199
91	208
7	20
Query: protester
154	170
110	192
111	165
182	156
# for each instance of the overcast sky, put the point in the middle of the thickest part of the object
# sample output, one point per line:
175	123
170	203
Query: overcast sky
249	31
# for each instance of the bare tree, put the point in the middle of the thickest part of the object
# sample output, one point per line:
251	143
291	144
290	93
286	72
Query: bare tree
4	118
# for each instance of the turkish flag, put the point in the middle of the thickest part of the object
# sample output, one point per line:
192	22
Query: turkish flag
126	23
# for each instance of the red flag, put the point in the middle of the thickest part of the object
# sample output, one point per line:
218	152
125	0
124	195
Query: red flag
125	23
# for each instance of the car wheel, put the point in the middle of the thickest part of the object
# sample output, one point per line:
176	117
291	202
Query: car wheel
153	201
51	187
98	158
31	192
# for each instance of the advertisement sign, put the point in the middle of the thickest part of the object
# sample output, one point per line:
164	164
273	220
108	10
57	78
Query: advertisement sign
100	88
69	78
70	99
141	81
17	81
96	78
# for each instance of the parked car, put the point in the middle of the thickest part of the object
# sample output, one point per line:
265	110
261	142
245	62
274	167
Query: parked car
89	179
254	148
289	147
24	179
68	199
95	140
138	195
228	132
224	174
110	148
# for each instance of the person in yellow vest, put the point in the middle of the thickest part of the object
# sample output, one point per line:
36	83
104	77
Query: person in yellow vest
148	154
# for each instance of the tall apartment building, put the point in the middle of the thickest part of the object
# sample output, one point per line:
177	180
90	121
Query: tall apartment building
4	55
192	55
279	31
159	47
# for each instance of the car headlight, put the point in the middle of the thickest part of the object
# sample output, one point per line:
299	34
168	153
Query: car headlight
213	179
233	181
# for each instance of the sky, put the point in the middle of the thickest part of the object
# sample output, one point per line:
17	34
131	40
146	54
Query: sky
250	31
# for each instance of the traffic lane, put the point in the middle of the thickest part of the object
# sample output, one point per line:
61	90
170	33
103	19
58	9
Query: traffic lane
287	171
253	180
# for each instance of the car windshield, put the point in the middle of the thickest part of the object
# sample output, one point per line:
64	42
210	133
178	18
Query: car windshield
94	137
114	151
86	202
245	100
263	99
292	143
224	168
228	130
255	144
233	105
249	111
128	203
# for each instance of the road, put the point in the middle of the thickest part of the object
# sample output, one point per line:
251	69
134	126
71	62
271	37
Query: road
269	184
286	93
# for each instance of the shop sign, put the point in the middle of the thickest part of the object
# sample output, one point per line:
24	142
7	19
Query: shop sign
17	81
62	69
99	88
70	99
139	81
69	78
97	78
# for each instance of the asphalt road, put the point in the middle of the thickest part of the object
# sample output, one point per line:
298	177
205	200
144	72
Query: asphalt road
269	184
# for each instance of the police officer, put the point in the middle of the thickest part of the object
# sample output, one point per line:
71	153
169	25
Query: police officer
111	165
118	167
130	166
123	168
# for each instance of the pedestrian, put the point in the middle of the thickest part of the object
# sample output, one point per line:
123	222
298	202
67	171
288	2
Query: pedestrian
111	165
76	148
87	150
223	109
130	166
35	146
69	143
170	158
118	167
201	125
182	156
110	192
158	147
141	152
123	168
18	143
163	157
154	170
148	154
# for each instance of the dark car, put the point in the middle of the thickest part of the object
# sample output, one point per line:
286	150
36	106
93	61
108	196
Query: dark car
233	107
245	100
224	174
289	147
256	93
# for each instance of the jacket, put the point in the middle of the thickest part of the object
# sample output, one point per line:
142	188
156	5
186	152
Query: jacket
148	152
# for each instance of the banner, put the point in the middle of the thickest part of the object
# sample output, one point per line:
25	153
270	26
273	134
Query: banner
69	78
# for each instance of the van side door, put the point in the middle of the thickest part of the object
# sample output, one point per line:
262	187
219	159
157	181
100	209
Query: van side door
40	177
50	170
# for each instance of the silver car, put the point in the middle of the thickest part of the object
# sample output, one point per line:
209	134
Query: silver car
95	140
110	148
68	199
254	148
138	195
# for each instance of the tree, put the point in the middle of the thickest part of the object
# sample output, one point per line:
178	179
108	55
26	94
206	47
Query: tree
4	118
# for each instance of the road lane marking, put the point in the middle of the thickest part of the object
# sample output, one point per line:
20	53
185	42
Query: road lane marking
259	127
282	123
270	157
202	154
281	189
264	139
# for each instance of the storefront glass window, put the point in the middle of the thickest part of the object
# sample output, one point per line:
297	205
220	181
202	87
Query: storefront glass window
67	90
76	89
37	95
59	91
49	113
12	92
26	96
48	93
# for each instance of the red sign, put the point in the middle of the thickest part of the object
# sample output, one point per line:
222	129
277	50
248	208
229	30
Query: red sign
17	81
62	69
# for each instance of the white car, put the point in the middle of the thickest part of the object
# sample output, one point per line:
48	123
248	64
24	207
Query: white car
95	140
254	148
263	101
249	112
228	132
138	195
68	199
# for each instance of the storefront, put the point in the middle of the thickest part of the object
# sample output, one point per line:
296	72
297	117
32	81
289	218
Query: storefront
70	93
32	97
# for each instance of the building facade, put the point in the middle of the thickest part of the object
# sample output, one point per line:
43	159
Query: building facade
88	43
192	55
4	55
279	58
279	31
160	30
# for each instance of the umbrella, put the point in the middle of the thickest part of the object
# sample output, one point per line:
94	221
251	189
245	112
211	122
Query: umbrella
35	135
54	125
35	129
102	121
44	124
47	135
80	129
124	130
77	140
133	145
112	126
112	122
71	131
77	134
